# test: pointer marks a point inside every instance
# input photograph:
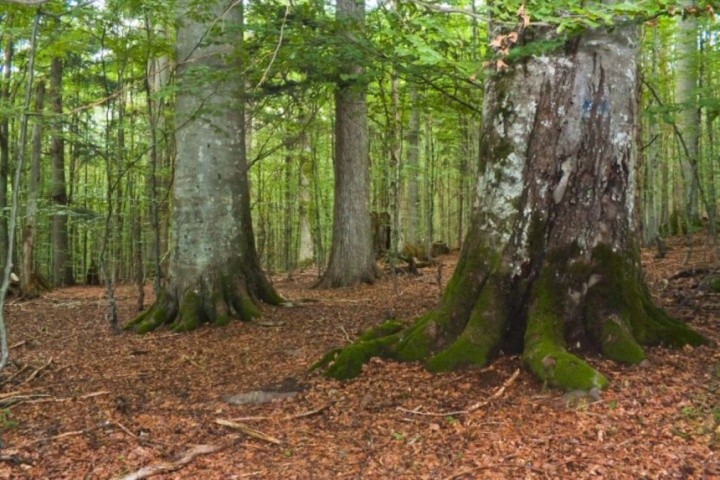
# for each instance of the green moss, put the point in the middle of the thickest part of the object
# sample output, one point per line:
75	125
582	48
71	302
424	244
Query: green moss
383	330
348	363
481	336
246	308
715	285
545	353
562	369
415	342
462	352
622	291
618	344
191	313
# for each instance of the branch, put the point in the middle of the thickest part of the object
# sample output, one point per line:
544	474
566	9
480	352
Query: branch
29	3
159	468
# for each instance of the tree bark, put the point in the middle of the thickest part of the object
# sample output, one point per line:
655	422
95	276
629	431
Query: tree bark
688	119
29	280
351	256
412	168
62	268
8	49
214	274
550	265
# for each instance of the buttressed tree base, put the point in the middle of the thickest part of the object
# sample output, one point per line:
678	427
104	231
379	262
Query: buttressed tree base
214	272
550	265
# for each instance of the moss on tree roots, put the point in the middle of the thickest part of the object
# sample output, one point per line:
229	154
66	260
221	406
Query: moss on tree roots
605	298
210	302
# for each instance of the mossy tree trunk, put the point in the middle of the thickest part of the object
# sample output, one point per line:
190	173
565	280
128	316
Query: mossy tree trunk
550	265
214	274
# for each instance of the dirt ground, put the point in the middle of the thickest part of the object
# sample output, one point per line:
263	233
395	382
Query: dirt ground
79	403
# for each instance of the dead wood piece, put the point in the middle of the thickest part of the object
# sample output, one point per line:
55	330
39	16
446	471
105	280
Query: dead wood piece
11	377
167	467
36	372
249	431
309	413
689	273
268	323
471	408
257	397
64	435
18	344
9	401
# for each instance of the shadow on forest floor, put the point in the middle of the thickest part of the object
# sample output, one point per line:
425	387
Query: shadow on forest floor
79	403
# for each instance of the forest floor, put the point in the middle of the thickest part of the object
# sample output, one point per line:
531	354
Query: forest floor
79	403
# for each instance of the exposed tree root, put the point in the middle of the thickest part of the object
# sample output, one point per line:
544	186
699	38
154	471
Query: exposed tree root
602	305
215	301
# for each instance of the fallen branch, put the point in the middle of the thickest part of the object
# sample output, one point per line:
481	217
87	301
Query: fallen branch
250	432
168	467
18	344
9	401
473	407
36	372
11	377
309	413
64	435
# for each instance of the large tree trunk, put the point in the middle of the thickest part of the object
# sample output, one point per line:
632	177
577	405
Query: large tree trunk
550	265
351	255
62	268
214	274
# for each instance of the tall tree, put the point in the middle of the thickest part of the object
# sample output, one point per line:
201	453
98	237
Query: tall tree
550	265
29	284
351	255
62	268
688	121
214	274
8	53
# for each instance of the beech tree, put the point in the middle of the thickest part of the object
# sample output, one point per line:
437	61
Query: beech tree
351	255
214	274
550	265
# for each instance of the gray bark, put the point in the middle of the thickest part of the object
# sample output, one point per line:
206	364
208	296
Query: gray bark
28	283
412	169
351	256
62	268
688	118
214	273
550	264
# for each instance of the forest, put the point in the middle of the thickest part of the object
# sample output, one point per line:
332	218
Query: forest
359	238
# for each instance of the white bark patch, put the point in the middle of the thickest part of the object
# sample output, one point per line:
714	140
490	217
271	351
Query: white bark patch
567	167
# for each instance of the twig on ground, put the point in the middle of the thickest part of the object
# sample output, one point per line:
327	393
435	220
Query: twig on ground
64	435
309	413
347	337
36	372
471	408
9	401
168	467
18	344
9	379
250	432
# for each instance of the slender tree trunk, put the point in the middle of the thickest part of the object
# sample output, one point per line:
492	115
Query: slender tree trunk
688	119
550	265
214	272
28	277
62	268
305	241
351	256
8	49
412	168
